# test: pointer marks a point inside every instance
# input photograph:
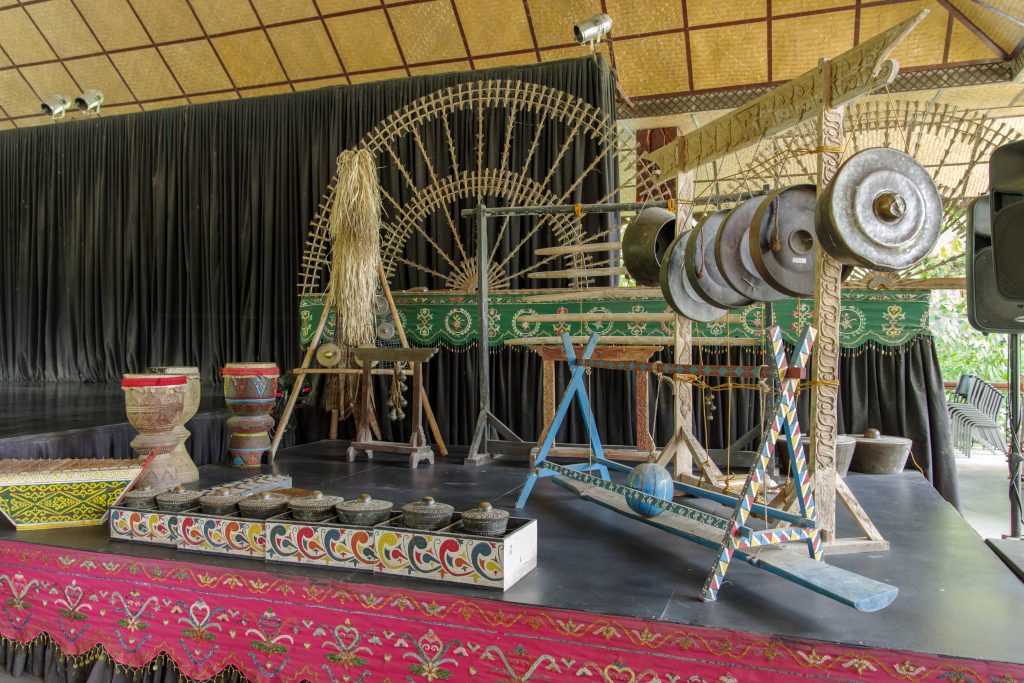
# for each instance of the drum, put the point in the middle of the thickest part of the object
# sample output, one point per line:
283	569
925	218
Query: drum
155	404
193	394
250	390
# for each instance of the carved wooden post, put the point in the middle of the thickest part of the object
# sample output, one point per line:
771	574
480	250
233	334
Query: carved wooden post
683	400
825	365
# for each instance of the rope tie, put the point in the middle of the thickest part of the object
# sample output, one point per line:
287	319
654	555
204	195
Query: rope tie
820	149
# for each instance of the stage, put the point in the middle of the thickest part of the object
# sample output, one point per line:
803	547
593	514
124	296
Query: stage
956	598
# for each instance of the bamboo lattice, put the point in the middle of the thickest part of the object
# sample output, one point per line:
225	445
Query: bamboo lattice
520	184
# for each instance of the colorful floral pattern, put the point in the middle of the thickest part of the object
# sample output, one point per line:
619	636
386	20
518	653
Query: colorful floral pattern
284	628
883	317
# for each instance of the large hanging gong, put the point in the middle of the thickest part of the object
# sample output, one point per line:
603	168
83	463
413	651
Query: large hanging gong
732	252
702	270
881	211
644	243
781	239
676	289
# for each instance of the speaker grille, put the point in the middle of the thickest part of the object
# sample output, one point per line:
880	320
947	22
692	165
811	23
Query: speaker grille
987	310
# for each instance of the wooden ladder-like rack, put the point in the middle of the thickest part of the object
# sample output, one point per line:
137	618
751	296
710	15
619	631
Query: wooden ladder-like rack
730	536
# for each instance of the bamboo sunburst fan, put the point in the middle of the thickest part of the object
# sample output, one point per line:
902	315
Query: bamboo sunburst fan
953	144
463	140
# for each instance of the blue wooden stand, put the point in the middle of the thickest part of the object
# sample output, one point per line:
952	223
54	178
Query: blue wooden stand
729	536
577	390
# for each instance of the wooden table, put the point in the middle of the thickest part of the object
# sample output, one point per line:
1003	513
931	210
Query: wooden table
644	441
417	448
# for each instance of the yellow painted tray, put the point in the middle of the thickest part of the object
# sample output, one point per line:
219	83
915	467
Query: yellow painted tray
45	494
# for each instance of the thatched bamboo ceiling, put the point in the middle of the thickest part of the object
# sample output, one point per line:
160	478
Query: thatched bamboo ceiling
147	54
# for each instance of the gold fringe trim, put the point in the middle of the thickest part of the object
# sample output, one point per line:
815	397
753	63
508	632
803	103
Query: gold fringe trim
99	654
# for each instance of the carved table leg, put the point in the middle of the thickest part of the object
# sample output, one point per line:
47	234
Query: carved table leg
548	403
363	433
419	439
644	438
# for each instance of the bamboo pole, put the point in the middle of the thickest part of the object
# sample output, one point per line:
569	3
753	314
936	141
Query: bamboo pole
929	283
594	293
578	249
614	317
345	371
577	272
633	341
428	410
301	378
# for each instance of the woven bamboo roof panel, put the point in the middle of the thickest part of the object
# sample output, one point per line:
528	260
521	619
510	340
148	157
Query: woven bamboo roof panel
150	54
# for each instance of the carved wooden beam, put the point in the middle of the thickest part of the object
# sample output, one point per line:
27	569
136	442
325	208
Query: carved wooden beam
682	404
825	365
854	73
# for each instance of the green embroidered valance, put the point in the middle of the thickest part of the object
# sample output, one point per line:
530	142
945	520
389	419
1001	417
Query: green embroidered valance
443	319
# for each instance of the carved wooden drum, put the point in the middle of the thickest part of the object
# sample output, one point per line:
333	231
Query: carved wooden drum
193	394
155	404
250	390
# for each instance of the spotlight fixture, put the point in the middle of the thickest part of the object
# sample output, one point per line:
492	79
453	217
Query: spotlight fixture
593	30
55	107
89	101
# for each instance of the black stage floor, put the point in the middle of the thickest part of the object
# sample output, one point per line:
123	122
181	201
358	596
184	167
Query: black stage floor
956	597
1011	552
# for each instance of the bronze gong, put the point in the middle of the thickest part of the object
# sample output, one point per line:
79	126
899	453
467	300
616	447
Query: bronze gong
644	243
782	239
881	211
732	252
676	289
702	269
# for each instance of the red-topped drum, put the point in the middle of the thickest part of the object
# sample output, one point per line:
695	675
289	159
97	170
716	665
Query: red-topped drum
155	404
250	390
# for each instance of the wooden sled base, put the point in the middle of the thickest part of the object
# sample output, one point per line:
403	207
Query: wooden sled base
854	590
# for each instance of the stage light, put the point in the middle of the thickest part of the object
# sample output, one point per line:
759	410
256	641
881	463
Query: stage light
55	107
593	30
89	101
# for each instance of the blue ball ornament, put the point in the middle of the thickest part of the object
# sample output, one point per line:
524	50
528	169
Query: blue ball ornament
653	479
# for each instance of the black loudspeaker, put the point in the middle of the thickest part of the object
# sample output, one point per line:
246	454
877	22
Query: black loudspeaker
1006	178
987	309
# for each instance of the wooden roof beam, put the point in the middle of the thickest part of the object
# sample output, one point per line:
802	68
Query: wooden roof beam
972	27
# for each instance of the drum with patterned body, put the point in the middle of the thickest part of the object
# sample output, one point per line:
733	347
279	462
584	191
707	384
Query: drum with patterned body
250	390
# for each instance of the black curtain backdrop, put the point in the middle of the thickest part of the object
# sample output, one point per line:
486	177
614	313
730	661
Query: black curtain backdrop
174	237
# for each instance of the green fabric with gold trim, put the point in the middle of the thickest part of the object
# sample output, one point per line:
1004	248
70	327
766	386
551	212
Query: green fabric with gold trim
441	319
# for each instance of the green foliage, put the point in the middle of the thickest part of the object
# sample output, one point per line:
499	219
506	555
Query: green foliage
960	348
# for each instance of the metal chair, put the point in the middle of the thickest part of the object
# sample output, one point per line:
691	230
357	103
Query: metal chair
977	416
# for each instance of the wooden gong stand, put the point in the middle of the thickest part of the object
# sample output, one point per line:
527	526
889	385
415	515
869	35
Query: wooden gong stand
303	370
820	93
417	448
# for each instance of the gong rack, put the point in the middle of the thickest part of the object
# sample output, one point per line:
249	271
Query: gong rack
728	536
479	450
481	445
